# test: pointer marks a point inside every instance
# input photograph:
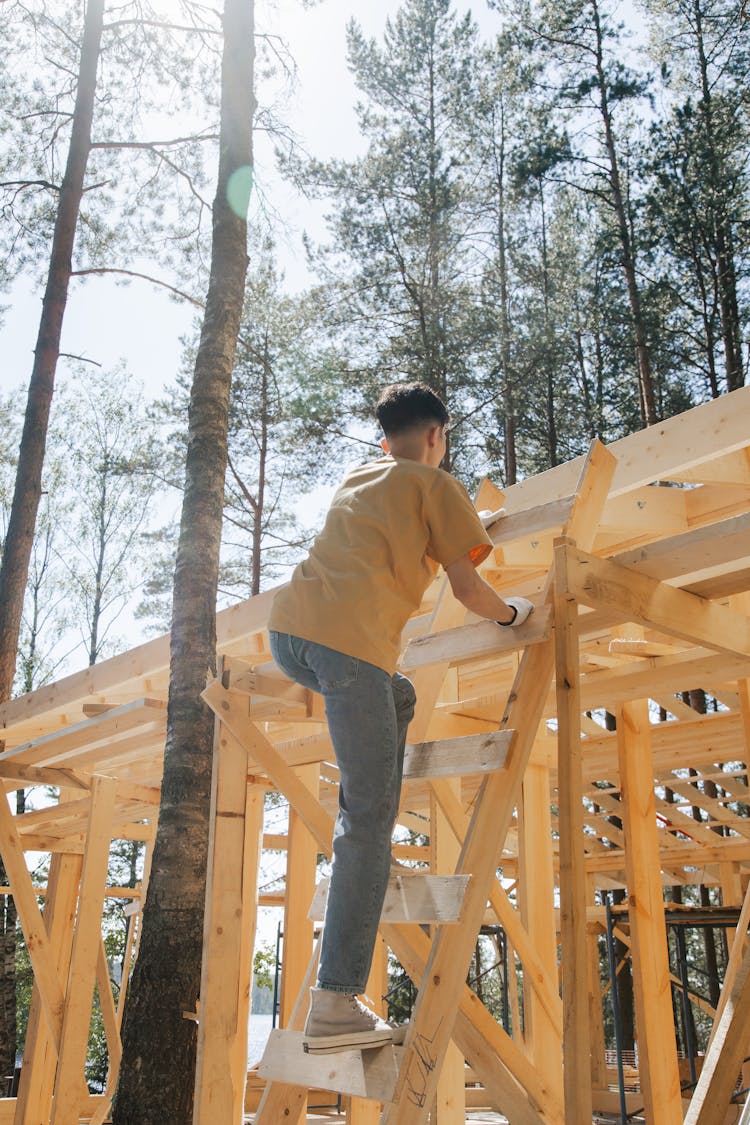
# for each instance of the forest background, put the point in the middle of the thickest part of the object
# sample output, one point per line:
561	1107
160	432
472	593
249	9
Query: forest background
544	214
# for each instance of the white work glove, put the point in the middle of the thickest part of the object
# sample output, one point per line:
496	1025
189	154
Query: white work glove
488	518
523	608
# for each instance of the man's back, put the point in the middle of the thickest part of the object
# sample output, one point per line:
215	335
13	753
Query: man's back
391	522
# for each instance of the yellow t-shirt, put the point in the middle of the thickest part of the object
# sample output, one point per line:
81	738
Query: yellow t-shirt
390	522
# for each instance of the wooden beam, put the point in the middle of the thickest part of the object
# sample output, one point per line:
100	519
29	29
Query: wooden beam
363	1111
112	1034
251	858
636	597
544	517
216	1098
596	1014
724	1056
537	895
701	548
34	1103
36	775
657	1050
575	983
663	451
696	665
456	757
230	710
35	933
301	864
86	943
420	898
481	639
132	673
282	1100
544	986
50	748
445	851
523	1091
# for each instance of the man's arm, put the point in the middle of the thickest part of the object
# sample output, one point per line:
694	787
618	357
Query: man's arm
478	596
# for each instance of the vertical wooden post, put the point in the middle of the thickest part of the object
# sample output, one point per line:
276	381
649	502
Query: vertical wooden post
537	897
301	864
41	953
280	1101
34	1102
575	975
229	927
254	810
450	1099
86	942
362	1111
112	1032
596	1014
657	1048
725	1054
731	884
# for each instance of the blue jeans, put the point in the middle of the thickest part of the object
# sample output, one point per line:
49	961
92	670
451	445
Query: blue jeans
368	713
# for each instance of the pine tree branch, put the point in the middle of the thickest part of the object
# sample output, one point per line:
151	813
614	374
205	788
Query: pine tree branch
30	183
143	277
242	486
156	144
80	358
191	28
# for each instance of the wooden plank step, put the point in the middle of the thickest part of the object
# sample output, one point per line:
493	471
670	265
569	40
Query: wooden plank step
529	521
362	1074
455	757
469	642
436	899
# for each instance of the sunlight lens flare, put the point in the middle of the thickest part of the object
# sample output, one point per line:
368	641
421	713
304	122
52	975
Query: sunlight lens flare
239	186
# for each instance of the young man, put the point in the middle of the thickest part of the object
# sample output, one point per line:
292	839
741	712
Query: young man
336	629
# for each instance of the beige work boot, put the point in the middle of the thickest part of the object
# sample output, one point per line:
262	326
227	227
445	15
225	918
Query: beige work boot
338	1021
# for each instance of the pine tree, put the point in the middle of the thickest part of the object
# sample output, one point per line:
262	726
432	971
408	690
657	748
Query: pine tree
584	47
399	251
158	1043
699	187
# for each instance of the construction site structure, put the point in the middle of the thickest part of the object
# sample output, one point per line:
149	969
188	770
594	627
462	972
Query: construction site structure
538	765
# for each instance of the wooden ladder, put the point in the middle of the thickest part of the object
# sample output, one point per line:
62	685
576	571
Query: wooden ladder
405	1079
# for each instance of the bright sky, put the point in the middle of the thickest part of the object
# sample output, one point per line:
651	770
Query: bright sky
107	322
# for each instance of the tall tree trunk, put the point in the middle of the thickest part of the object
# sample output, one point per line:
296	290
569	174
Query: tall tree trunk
19	539
259	511
509	407
549	358
726	274
158	1064
14	569
101	549
643	359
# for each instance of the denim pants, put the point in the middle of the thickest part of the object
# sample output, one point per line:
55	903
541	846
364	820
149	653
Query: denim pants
368	713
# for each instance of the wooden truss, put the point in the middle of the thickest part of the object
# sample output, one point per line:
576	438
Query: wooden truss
638	559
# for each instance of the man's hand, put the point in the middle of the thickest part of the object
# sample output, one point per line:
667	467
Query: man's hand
523	608
488	518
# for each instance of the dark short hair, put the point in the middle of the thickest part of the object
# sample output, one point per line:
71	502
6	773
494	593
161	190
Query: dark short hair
406	406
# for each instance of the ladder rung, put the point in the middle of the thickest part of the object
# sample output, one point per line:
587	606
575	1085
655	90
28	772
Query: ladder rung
363	1074
455	757
467	642
410	898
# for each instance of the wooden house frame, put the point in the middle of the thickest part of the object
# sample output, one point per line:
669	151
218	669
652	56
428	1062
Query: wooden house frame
638	559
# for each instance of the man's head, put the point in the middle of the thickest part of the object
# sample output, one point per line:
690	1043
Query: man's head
413	419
